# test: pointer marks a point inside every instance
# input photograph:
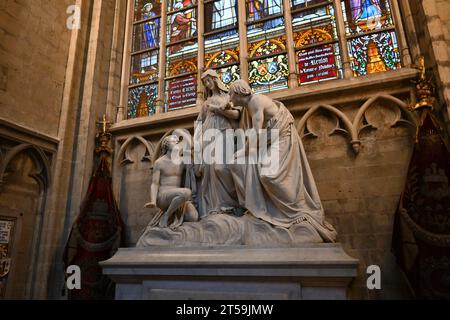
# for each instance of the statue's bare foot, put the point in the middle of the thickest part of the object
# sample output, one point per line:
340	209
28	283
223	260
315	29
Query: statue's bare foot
164	221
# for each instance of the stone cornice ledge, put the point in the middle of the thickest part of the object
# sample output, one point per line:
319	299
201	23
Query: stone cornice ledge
159	122
304	260
24	134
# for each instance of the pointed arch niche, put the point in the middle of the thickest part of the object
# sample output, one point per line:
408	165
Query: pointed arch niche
24	182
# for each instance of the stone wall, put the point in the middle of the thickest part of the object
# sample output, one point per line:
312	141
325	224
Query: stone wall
34	44
88	93
360	193
34	50
55	83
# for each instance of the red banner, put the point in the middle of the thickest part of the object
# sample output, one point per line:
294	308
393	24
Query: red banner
317	64
96	235
182	92
421	237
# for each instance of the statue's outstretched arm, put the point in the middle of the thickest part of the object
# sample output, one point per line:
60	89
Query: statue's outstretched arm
154	189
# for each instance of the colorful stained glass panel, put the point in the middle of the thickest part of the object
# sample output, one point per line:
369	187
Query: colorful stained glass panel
366	15
146	9
144	67
259	9
264	28
319	18
221	58
224	39
142	101
181	92
182	25
313	36
305	3
374	53
146	35
220	14
173	5
229	74
267	47
181	65
269	74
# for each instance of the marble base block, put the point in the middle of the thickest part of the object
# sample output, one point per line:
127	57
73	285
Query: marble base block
314	271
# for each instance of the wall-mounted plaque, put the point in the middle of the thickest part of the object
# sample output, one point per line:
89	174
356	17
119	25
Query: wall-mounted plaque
6	237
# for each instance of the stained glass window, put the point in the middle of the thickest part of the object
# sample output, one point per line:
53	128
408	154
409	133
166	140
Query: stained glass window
144	67
141	101
220	14
259	9
373	53
306	3
226	63
181	66
269	73
371	35
366	15
144	58
182	25
145	9
181	92
367	25
316	44
173	5
181	85
146	35
222	39
319	64
181	53
268	66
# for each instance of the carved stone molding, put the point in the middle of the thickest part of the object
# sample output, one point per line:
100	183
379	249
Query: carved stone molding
123	158
123	155
42	164
353	129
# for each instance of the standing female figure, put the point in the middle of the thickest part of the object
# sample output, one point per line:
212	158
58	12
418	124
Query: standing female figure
216	191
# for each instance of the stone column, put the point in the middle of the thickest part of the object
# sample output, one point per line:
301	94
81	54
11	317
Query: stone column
410	30
114	82
435	29
201	49
243	50
290	45
83	100
162	59
122	109
402	42
348	74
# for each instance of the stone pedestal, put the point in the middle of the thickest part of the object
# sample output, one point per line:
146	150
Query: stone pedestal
315	271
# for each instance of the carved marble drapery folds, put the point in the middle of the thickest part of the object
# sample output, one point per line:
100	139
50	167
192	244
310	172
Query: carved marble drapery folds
283	200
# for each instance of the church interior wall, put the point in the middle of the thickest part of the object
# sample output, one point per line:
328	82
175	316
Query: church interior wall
21	194
57	86
33	58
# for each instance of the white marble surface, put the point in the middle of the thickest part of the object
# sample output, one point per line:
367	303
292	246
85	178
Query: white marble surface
315	271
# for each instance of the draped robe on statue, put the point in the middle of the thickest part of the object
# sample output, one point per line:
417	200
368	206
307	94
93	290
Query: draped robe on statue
287	195
216	189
